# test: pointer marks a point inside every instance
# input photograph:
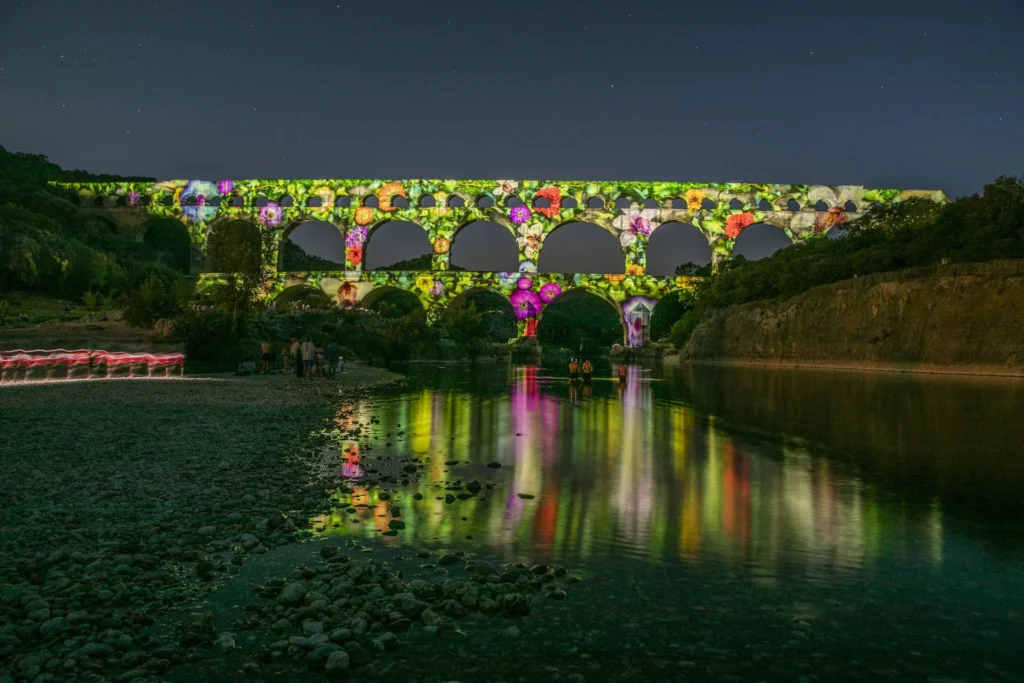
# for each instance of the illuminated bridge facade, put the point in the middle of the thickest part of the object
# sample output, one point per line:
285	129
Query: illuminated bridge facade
530	209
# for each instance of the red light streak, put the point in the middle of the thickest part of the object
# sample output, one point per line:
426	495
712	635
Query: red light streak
24	362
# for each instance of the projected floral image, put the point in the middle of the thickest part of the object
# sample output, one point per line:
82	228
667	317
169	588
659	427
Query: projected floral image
530	209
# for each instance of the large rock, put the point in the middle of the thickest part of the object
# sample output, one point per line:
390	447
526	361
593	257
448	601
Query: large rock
337	663
292	594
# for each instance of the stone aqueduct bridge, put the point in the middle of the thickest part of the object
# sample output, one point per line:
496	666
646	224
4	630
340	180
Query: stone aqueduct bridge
530	209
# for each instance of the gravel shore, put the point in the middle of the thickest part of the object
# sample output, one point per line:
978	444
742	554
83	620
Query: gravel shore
147	529
122	501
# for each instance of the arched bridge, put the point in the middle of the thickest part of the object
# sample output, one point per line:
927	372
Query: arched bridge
530	209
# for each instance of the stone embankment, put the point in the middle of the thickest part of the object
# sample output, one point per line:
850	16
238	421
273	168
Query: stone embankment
962	318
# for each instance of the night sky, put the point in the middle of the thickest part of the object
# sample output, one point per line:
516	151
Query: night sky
893	93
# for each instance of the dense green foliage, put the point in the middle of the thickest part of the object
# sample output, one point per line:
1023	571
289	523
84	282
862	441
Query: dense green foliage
887	238
49	245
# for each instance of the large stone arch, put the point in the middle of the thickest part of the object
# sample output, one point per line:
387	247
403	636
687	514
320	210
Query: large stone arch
374	230
460	299
378	292
286	234
301	291
475	224
535	241
574	291
688	244
760	240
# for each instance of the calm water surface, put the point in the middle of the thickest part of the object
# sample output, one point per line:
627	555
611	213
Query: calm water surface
874	516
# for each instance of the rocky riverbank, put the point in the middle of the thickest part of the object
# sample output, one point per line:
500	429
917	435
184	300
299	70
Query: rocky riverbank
126	502
962	318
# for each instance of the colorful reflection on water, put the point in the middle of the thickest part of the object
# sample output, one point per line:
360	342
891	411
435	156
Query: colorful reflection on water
617	471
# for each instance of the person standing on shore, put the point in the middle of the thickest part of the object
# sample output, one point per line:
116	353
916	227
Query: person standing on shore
266	355
297	356
333	353
308	356
286	356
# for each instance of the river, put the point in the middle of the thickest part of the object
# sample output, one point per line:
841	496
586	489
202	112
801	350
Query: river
872	519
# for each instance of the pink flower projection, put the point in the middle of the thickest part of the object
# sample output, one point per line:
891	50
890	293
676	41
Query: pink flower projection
519	214
549	291
525	303
271	215
356	236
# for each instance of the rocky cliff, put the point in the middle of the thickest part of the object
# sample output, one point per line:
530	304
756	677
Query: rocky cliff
960	318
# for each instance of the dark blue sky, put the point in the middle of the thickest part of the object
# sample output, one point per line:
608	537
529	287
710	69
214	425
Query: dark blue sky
894	93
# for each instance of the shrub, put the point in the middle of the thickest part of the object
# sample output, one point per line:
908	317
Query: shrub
157	298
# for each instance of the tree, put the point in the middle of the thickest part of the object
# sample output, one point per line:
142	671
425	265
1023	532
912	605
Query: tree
157	298
236	249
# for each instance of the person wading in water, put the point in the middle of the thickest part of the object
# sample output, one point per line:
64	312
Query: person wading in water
622	373
588	370
574	369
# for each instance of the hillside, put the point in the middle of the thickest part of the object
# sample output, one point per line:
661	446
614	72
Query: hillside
952	318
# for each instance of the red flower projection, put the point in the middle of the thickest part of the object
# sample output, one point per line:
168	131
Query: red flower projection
347	294
827	220
354	255
735	224
554	196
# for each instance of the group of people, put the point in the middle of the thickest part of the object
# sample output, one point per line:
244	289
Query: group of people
305	359
587	370
308	360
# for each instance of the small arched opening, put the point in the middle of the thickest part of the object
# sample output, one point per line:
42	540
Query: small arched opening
485	246
313	246
233	247
677	248
579	248
759	241
582	322
397	245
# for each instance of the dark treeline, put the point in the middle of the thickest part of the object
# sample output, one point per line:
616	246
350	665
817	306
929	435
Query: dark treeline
49	245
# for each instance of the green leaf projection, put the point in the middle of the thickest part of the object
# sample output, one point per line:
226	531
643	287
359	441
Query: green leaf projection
530	209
